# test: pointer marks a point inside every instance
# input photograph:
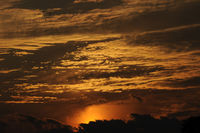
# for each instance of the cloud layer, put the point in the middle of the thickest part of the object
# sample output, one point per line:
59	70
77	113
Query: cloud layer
67	17
89	52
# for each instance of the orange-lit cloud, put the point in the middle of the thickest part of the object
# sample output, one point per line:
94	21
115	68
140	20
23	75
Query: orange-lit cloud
119	16
90	52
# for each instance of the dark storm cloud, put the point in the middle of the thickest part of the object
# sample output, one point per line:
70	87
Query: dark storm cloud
181	13
185	83
66	6
125	72
39	31
177	38
183	114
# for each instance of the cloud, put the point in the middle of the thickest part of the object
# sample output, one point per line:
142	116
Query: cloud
192	82
109	16
36	18
115	104
69	6
176	38
124	72
4	4
147	16
79	1
26	68
18	20
172	16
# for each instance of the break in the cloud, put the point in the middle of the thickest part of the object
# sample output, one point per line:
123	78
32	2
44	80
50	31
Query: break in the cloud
115	104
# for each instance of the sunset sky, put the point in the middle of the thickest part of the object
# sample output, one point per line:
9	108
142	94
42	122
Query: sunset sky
82	60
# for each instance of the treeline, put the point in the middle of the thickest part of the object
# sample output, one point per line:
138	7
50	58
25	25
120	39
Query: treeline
138	124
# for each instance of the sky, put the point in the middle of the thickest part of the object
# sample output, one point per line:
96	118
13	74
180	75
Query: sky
81	60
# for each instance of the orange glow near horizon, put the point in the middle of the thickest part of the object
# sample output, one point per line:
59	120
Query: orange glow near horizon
108	111
121	110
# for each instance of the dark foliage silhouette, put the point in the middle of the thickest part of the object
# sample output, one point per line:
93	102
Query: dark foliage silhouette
29	124
191	125
139	124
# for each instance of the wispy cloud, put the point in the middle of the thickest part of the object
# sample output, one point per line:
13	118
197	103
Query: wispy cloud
160	50
36	18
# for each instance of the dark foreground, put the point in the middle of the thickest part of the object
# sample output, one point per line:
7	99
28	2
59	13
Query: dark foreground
138	124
